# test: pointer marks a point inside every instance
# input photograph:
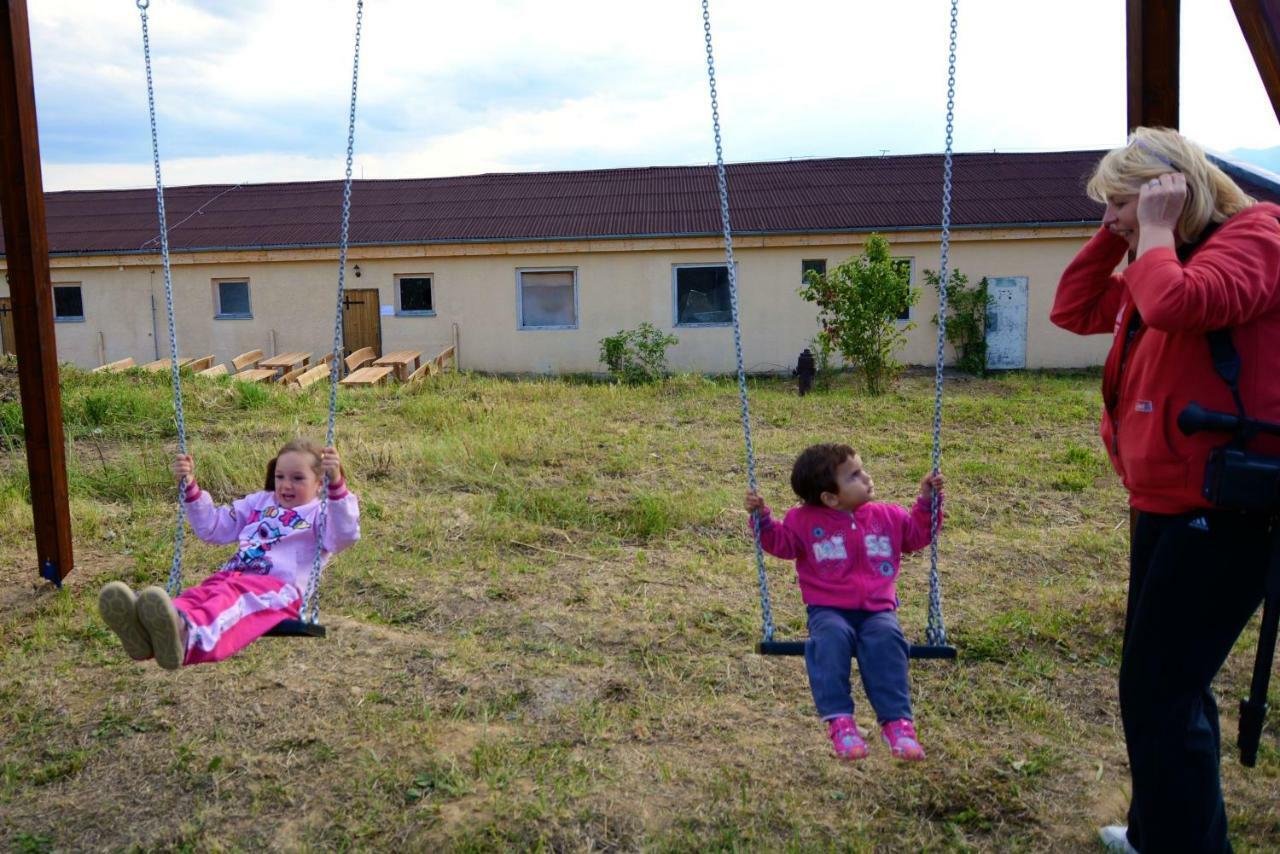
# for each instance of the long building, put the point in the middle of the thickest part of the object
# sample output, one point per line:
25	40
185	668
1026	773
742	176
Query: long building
526	272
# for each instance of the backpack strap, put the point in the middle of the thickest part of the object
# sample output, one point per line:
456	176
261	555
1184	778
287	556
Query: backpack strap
1226	361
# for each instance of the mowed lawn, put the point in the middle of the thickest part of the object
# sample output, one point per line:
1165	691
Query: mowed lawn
544	640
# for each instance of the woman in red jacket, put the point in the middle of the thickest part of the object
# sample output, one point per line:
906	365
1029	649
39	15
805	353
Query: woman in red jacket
1205	256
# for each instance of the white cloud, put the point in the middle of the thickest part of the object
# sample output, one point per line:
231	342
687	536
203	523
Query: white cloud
259	91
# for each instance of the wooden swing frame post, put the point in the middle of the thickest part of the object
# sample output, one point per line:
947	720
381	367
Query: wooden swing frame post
26	245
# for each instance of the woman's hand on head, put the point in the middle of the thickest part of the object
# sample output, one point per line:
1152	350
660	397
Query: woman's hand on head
184	468
331	464
1160	202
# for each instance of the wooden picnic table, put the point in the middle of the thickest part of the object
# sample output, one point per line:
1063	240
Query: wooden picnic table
286	361
368	375
404	362
255	375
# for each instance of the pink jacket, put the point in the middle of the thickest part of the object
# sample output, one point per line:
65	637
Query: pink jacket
848	560
274	540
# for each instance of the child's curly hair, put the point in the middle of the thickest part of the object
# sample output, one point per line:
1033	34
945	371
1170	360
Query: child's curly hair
814	471
300	446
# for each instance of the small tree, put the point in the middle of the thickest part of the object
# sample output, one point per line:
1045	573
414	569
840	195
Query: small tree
966	319
639	355
859	303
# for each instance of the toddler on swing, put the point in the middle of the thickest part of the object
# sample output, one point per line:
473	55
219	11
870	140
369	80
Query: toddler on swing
262	584
847	549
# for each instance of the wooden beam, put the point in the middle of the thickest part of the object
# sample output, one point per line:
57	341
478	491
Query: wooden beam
1260	23
27	255
1151	29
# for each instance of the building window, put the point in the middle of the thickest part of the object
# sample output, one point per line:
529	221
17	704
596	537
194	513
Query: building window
231	299
702	295
68	304
817	265
413	296
908	266
547	299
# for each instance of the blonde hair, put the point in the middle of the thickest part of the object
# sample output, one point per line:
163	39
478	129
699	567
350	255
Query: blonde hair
1151	152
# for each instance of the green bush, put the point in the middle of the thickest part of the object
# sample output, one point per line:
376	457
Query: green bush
859	303
966	319
636	356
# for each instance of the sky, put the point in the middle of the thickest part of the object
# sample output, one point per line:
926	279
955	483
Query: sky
259	91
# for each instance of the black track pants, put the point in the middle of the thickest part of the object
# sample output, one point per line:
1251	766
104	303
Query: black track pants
1194	581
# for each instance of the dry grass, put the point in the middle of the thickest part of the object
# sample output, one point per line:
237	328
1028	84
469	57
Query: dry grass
544	641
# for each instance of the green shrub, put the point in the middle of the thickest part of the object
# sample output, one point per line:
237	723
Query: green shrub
966	319
636	356
859	303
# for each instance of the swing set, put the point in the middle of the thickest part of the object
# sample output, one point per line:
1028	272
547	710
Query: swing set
309	625
936	645
1153	95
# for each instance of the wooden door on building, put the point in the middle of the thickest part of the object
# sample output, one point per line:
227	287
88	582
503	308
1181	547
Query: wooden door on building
8	346
361	321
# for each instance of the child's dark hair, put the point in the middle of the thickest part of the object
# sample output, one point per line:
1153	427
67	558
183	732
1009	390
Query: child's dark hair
300	446
814	471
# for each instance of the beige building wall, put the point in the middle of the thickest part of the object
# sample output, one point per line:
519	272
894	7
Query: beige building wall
620	283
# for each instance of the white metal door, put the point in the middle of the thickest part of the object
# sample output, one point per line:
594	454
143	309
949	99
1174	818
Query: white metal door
1007	322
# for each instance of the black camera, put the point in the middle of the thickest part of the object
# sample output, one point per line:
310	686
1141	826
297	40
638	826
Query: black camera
1234	478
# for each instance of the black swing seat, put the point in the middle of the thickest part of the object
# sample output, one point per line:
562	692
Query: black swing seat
296	629
918	650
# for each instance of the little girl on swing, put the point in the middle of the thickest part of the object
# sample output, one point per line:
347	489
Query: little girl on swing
262	584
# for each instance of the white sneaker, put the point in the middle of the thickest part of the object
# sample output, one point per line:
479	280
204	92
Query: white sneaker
1115	837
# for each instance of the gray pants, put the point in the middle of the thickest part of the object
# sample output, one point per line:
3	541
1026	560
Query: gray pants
836	636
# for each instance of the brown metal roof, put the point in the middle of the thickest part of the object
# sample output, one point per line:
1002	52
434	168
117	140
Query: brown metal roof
787	197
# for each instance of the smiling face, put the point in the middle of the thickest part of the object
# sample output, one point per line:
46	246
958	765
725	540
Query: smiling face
1121	218
854	486
297	481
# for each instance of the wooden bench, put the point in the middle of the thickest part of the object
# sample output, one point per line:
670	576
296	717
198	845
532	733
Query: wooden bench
313	375
117	365
423	370
246	360
201	364
255	375
164	364
290	376
215	371
360	358
370	375
447	355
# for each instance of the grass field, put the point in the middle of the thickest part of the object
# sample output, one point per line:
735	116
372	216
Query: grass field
544	640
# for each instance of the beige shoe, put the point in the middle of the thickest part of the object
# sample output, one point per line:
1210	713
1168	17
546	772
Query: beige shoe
164	625
118	606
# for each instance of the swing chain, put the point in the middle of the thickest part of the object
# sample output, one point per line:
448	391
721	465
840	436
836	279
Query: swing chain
722	179
311	598
936	632
174	583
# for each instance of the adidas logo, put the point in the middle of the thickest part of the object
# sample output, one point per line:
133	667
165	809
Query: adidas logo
1199	523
